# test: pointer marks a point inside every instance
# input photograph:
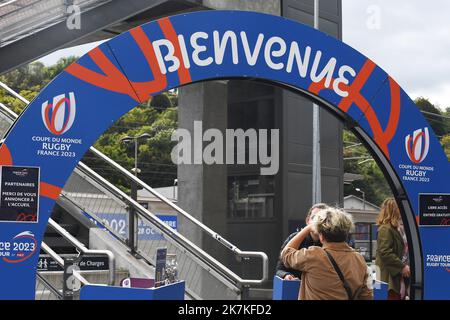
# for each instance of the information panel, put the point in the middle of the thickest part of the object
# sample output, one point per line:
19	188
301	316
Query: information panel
434	209
160	267
19	200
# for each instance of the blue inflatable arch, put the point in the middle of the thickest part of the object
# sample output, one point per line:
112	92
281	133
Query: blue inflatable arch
69	115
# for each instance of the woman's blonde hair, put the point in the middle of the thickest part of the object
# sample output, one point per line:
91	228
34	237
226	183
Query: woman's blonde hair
389	214
333	224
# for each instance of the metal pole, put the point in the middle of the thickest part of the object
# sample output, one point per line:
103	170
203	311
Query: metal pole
316	169
364	201
135	155
132	213
370	242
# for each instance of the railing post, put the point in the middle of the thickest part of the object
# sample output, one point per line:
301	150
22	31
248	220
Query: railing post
132	221
370	242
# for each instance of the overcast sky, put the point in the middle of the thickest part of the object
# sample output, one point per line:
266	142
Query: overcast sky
411	42
410	39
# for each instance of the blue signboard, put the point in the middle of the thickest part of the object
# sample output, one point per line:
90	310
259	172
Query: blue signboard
173	291
73	110
118	224
19	196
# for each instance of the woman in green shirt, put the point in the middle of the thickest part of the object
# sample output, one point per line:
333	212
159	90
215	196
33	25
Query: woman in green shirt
390	249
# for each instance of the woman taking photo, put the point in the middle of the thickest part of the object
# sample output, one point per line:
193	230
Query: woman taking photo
390	249
334	271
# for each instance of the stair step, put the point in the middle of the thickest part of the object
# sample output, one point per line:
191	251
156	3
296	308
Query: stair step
259	294
71	228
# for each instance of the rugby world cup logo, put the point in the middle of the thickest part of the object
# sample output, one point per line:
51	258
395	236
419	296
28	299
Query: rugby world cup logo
58	116
417	145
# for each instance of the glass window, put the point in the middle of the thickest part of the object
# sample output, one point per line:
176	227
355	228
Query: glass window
250	197
361	237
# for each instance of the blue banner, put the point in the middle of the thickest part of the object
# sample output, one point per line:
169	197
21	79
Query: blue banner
118	224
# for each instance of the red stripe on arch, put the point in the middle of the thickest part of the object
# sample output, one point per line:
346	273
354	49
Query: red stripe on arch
49	191
357	84
145	90
5	156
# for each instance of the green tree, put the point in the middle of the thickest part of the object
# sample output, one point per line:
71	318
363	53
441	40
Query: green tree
357	160
436	122
154	159
447	120
157	117
445	141
53	70
29	79
161	102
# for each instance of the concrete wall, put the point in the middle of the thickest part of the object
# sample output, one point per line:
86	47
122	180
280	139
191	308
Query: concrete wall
266	6
203	188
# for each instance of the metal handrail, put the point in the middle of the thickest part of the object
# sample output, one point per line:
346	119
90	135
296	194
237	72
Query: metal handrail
85	251
7	3
52	254
238	252
8	112
60	262
189	292
13	93
190	246
48	285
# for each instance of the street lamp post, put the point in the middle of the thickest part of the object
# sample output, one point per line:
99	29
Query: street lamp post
135	170
128	139
370	225
364	197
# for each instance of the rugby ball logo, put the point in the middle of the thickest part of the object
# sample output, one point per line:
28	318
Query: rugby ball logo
58	116
417	145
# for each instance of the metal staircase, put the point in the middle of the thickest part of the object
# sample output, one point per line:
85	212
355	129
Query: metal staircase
89	195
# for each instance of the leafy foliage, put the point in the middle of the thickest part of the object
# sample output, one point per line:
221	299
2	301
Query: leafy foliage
358	161
154	162
161	101
438	124
157	117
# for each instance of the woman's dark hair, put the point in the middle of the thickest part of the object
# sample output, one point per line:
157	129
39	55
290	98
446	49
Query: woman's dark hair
316	206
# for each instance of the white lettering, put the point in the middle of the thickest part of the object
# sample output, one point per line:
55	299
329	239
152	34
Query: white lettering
343	79
269	53
220	45
199	49
169	57
302	64
327	71
184	53
251	57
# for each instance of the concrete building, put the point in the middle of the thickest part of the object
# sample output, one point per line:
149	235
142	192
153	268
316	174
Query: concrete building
258	212
365	216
